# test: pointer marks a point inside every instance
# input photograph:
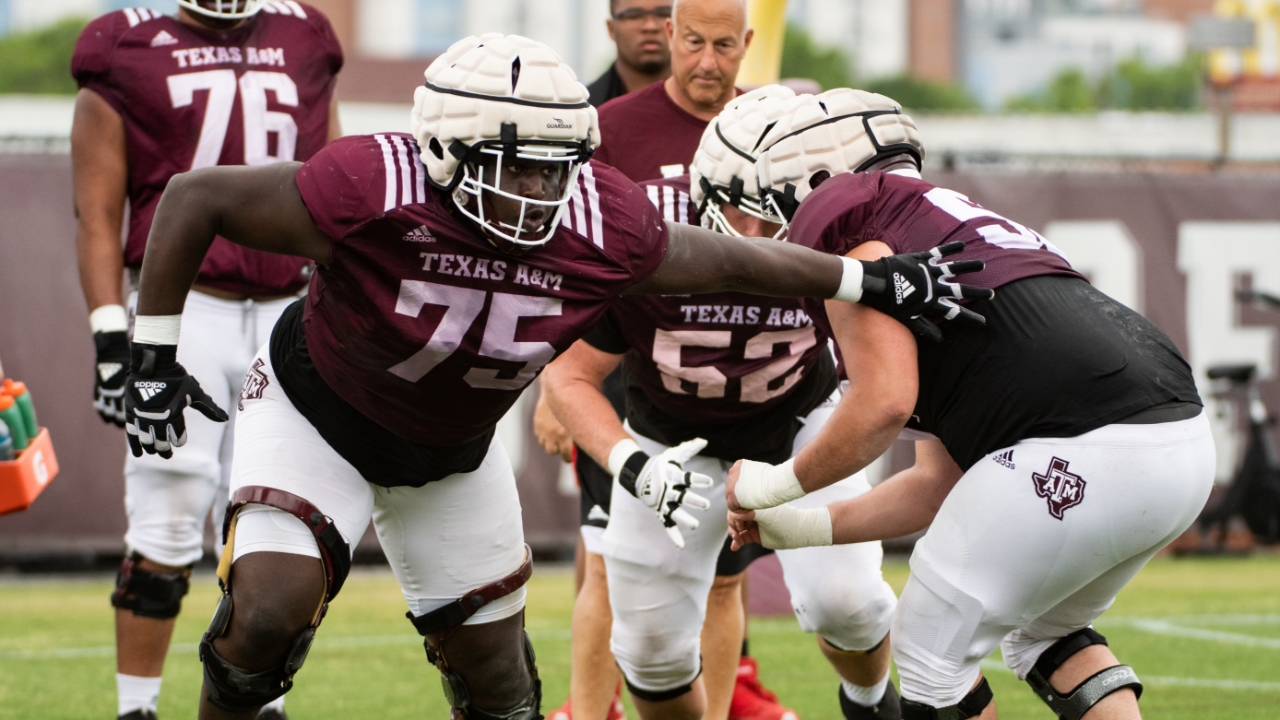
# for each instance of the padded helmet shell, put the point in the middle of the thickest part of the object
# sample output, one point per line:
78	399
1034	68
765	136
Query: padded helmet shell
482	83
226	9
838	131
731	141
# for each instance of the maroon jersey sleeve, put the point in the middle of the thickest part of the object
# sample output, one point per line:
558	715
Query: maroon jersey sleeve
92	58
615	215
346	184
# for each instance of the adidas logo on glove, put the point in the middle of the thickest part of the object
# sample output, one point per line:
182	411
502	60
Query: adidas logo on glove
149	390
902	288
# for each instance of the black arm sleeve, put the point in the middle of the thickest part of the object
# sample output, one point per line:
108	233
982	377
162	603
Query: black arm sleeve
606	336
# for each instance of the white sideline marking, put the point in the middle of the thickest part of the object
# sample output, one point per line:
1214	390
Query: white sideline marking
998	666
1160	627
350	641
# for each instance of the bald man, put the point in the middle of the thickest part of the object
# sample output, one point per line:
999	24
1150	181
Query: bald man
652	133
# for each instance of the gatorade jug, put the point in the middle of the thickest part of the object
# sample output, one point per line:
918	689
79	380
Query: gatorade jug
12	416
18	391
6	442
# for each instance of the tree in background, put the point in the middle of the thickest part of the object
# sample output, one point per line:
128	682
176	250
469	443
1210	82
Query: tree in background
829	67
1132	85
40	61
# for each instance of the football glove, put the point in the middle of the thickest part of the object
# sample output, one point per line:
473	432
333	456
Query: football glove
907	287
111	369
663	485
156	391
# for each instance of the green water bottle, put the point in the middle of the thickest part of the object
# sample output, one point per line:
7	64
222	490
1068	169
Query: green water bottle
18	391
12	417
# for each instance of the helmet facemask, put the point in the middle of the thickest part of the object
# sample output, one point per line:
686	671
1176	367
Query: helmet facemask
224	9
716	196
480	181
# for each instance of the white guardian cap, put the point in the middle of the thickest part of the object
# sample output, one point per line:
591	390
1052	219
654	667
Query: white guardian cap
724	167
493	99
838	131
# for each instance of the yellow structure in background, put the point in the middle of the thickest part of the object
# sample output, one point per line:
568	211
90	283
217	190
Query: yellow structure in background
764	58
1260	61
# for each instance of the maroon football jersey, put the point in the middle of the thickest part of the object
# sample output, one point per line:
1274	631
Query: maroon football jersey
191	97
709	359
910	215
643	131
420	322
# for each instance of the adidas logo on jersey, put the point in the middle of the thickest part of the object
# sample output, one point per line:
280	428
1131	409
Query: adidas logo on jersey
149	390
902	288
163	38
597	513
419	234
108	370
1006	459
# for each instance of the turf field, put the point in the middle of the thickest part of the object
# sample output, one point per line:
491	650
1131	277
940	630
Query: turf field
1203	634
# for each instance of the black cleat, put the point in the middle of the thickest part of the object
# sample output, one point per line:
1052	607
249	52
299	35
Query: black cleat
887	709
139	714
273	714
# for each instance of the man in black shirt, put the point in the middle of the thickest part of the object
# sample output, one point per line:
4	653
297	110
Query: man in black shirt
638	28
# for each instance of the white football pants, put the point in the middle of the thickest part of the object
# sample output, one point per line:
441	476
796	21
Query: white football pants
1035	541
442	540
659	592
167	501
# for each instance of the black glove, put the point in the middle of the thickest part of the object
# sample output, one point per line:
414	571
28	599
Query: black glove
157	390
907	287
108	382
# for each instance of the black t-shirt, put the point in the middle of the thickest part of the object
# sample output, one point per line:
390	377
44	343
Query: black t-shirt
606	87
1056	359
382	457
766	436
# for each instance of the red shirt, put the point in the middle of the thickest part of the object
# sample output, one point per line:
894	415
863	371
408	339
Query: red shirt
420	322
191	97
642	131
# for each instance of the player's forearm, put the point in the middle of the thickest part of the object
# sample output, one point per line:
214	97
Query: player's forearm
581	406
857	433
701	261
101	263
185	225
901	505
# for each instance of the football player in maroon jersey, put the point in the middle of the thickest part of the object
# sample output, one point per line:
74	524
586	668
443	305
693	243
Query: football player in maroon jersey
1059	448
221	82
708	369
453	265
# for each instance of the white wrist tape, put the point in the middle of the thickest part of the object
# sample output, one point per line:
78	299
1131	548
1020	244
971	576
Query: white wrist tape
619	454
761	485
850	282
157	329
109	318
787	527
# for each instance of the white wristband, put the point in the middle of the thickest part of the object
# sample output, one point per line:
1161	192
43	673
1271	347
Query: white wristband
761	485
157	329
787	527
619	454
850	281
109	318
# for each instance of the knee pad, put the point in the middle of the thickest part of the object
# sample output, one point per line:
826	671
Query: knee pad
970	706
828	615
233	688
1074	704
148	594
436	626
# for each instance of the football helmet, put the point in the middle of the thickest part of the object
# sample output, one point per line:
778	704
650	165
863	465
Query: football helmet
838	131
724	167
493	99
224	9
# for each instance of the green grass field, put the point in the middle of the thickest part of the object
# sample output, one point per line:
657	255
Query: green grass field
1203	634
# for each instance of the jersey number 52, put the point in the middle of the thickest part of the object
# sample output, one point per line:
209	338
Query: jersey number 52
258	120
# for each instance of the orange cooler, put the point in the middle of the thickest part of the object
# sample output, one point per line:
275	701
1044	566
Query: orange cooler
22	480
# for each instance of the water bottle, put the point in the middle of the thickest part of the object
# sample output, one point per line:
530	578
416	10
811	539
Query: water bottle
12	417
18	391
6	442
